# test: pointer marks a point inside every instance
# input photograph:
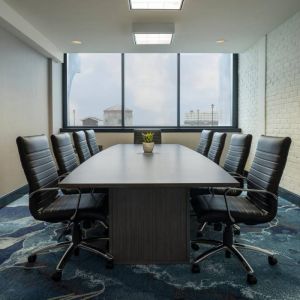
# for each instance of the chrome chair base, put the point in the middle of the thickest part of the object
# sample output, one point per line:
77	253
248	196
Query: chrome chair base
231	248
73	249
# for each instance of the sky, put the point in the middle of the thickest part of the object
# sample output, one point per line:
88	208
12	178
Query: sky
150	85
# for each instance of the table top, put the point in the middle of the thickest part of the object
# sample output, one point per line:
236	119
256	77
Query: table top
126	165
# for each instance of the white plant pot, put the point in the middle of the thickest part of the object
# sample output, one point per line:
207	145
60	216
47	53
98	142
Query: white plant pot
148	147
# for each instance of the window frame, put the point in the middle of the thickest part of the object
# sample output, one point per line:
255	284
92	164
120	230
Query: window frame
178	128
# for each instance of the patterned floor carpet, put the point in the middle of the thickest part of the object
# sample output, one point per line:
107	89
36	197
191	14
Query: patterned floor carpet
86	277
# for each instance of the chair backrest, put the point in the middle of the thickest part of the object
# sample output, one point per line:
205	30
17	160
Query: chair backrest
81	146
64	152
216	147
238	153
205	142
39	168
91	140
267	169
138	135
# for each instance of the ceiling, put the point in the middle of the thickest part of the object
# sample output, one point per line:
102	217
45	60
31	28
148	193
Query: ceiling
105	25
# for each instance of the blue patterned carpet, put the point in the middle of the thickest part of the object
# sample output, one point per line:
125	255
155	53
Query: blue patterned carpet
86	277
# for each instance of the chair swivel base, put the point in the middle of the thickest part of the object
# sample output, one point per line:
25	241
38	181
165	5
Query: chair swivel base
230	248
57	275
73	249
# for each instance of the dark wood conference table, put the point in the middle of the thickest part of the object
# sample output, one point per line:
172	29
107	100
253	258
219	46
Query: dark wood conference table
148	198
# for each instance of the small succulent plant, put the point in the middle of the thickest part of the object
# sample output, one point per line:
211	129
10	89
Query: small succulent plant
148	137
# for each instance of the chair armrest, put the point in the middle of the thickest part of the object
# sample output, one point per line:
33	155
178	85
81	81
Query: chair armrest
252	190
244	190
57	189
237	175
44	190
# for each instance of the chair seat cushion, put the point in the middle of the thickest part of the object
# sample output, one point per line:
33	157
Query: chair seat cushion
212	208
63	208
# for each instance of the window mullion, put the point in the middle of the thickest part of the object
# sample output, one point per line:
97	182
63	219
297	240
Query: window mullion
178	89
123	86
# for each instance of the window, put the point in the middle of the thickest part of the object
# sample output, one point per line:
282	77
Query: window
150	90
94	90
206	90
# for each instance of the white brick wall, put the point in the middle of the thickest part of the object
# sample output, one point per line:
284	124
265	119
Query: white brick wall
283	94
282	101
252	93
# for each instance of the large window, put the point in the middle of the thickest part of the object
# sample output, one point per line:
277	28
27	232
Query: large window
206	90
94	90
149	90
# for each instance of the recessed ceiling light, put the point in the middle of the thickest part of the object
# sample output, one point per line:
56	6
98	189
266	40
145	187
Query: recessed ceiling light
156	4
153	38
153	33
76	42
220	41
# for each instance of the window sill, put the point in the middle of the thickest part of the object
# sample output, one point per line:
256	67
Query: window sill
163	129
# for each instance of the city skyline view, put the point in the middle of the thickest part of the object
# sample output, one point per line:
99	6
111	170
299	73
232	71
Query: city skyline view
150	86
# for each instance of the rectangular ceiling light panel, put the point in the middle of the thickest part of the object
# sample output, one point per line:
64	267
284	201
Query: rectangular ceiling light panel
153	33
153	38
156	4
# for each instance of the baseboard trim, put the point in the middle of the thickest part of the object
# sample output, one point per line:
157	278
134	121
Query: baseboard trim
14	195
290	196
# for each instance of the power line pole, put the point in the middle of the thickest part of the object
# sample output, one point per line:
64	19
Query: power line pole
212	114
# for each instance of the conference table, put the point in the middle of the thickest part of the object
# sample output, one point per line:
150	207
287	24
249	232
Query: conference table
149	212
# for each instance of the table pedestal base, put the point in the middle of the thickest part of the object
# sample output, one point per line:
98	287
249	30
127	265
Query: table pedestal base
149	225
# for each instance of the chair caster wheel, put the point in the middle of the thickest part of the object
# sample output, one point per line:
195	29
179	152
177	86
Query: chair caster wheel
227	254
56	276
76	251
217	227
251	279
31	258
110	264
195	268
199	234
272	260
195	246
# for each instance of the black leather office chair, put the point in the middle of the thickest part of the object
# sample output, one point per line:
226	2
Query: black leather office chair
216	147
91	141
81	146
67	161
47	203
235	162
138	135
258	205
205	142
64	153
238	153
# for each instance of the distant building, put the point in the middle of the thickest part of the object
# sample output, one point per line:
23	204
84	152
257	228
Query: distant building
199	118
113	116
90	121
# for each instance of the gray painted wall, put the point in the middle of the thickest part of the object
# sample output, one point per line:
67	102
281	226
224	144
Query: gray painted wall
26	100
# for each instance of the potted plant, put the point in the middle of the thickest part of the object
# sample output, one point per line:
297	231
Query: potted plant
148	143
